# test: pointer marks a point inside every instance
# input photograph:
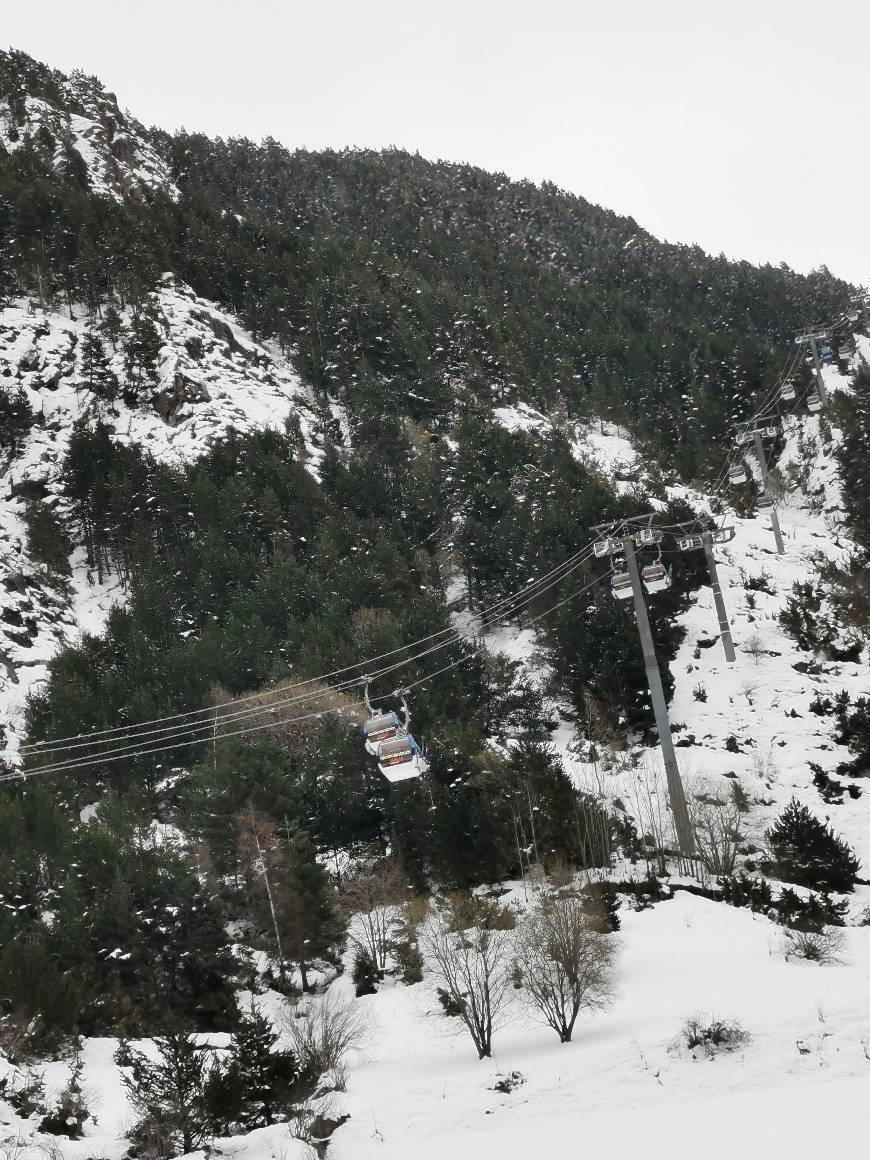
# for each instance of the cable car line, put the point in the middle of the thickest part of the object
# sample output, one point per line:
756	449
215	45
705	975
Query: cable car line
55	744
205	730
76	764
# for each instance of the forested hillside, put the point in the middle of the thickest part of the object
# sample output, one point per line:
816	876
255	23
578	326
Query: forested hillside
277	426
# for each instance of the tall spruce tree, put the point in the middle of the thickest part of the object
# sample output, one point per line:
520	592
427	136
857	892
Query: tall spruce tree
97	375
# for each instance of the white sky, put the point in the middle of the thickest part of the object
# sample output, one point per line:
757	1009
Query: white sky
737	124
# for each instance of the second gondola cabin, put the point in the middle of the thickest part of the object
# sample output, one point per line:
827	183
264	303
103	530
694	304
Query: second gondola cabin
620	585
378	728
656	577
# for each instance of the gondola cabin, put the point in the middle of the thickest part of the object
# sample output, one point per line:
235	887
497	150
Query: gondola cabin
739	473
656	577
399	758
826	353
380	727
620	585
787	392
764	503
814	401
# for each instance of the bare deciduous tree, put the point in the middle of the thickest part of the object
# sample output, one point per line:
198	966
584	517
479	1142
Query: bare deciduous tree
474	967
262	867
718	828
373	899
566	965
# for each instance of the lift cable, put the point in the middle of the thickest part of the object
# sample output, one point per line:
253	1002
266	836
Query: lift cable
200	731
502	606
76	764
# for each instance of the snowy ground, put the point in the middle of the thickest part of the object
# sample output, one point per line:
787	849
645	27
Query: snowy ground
799	1084
624	1087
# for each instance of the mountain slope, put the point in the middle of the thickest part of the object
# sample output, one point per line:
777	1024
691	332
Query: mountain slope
284	433
212	379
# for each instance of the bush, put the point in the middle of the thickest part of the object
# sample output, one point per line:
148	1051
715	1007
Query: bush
853	729
802	618
809	914
324	1031
465	910
451	1007
807	852
67	1117
365	974
711	1036
601	904
815	946
26	1095
760	583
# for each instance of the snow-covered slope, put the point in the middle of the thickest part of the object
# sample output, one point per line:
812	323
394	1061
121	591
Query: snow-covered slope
796	1088
213	378
85	119
761	703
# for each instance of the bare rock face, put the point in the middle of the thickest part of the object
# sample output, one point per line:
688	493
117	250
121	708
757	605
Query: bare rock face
29	361
168	402
321	1130
63	116
223	332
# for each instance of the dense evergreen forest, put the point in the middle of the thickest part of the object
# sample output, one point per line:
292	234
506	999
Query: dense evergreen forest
417	295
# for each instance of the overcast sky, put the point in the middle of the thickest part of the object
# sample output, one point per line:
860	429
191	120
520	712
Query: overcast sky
737	124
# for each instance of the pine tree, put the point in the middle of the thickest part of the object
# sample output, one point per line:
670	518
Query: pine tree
170	1093
852	455
47	539
141	352
112	324
365	974
97	375
309	918
809	853
16	417
266	1075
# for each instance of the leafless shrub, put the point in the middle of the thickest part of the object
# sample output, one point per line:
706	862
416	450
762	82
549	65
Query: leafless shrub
754	647
325	1030
373	898
718	830
17	1038
561	874
415	910
654	819
565	964
710	1036
822	947
14	1147
464	909
474	967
